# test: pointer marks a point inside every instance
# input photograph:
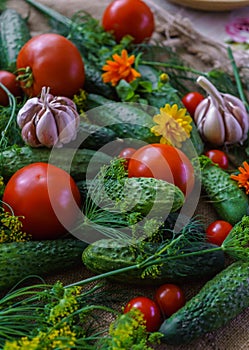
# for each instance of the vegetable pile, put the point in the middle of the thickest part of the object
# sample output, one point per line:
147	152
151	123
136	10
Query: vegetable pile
108	143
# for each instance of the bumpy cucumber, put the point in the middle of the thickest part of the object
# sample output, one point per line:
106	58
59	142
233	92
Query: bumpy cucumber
21	259
126	120
219	301
15	158
229	201
144	194
92	136
14	33
110	254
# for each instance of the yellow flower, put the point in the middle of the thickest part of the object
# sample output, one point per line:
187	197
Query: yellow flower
120	68
174	125
243	177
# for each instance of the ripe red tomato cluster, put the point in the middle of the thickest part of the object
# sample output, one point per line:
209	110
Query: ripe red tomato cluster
167	300
217	231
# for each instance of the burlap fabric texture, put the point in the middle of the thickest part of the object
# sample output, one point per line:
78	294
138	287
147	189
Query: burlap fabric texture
202	53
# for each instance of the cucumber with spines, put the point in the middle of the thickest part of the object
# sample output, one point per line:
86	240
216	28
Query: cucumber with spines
14	33
219	301
77	164
19	260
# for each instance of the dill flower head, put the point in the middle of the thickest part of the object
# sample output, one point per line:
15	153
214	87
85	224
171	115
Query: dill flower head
243	177
11	228
173	125
120	68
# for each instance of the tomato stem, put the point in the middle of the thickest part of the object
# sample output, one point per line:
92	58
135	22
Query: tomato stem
25	76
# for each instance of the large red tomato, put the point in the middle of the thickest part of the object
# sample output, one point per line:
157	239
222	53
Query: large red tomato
8	79
129	17
53	61
46	196
163	162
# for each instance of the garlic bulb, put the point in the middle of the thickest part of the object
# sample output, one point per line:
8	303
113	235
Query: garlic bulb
48	120
221	119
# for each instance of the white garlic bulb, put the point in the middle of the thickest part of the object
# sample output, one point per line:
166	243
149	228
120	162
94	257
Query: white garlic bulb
221	119
48	120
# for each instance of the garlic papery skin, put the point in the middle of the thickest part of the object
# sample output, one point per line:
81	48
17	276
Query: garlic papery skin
48	120
221	119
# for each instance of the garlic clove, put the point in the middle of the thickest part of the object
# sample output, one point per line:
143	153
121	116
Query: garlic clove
25	114
233	129
29	134
213	128
65	125
46	130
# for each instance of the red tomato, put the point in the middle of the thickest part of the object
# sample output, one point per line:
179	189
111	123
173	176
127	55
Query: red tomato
163	162
191	101
127	153
8	79
218	157
149	309
54	62
217	231
46	196
170	298
129	17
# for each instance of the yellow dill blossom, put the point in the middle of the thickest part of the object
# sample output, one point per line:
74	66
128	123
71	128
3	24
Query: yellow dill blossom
120	68
243	177
80	101
173	125
11	228
67	305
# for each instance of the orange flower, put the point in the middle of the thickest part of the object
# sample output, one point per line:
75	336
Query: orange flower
243	177
120	68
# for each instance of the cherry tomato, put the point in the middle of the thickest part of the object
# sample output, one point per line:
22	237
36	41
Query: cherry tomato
218	157
52	61
170	298
149	309
191	101
129	17
127	153
8	79
163	162
217	231
46	196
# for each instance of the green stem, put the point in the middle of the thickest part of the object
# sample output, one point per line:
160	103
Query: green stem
173	66
12	103
152	260
237	78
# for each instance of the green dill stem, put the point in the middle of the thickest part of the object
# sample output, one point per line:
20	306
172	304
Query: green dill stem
237	78
173	66
152	260
12	102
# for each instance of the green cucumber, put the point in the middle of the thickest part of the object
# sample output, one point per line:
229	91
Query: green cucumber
19	260
127	120
218	302
144	194
15	158
92	136
112	254
229	201
14	33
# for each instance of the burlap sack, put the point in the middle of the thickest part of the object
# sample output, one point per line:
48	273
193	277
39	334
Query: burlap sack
203	53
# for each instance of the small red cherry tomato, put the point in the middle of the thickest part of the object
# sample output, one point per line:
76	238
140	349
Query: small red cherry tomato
129	17
217	231
127	153
8	79
218	157
191	101
170	298
149	309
